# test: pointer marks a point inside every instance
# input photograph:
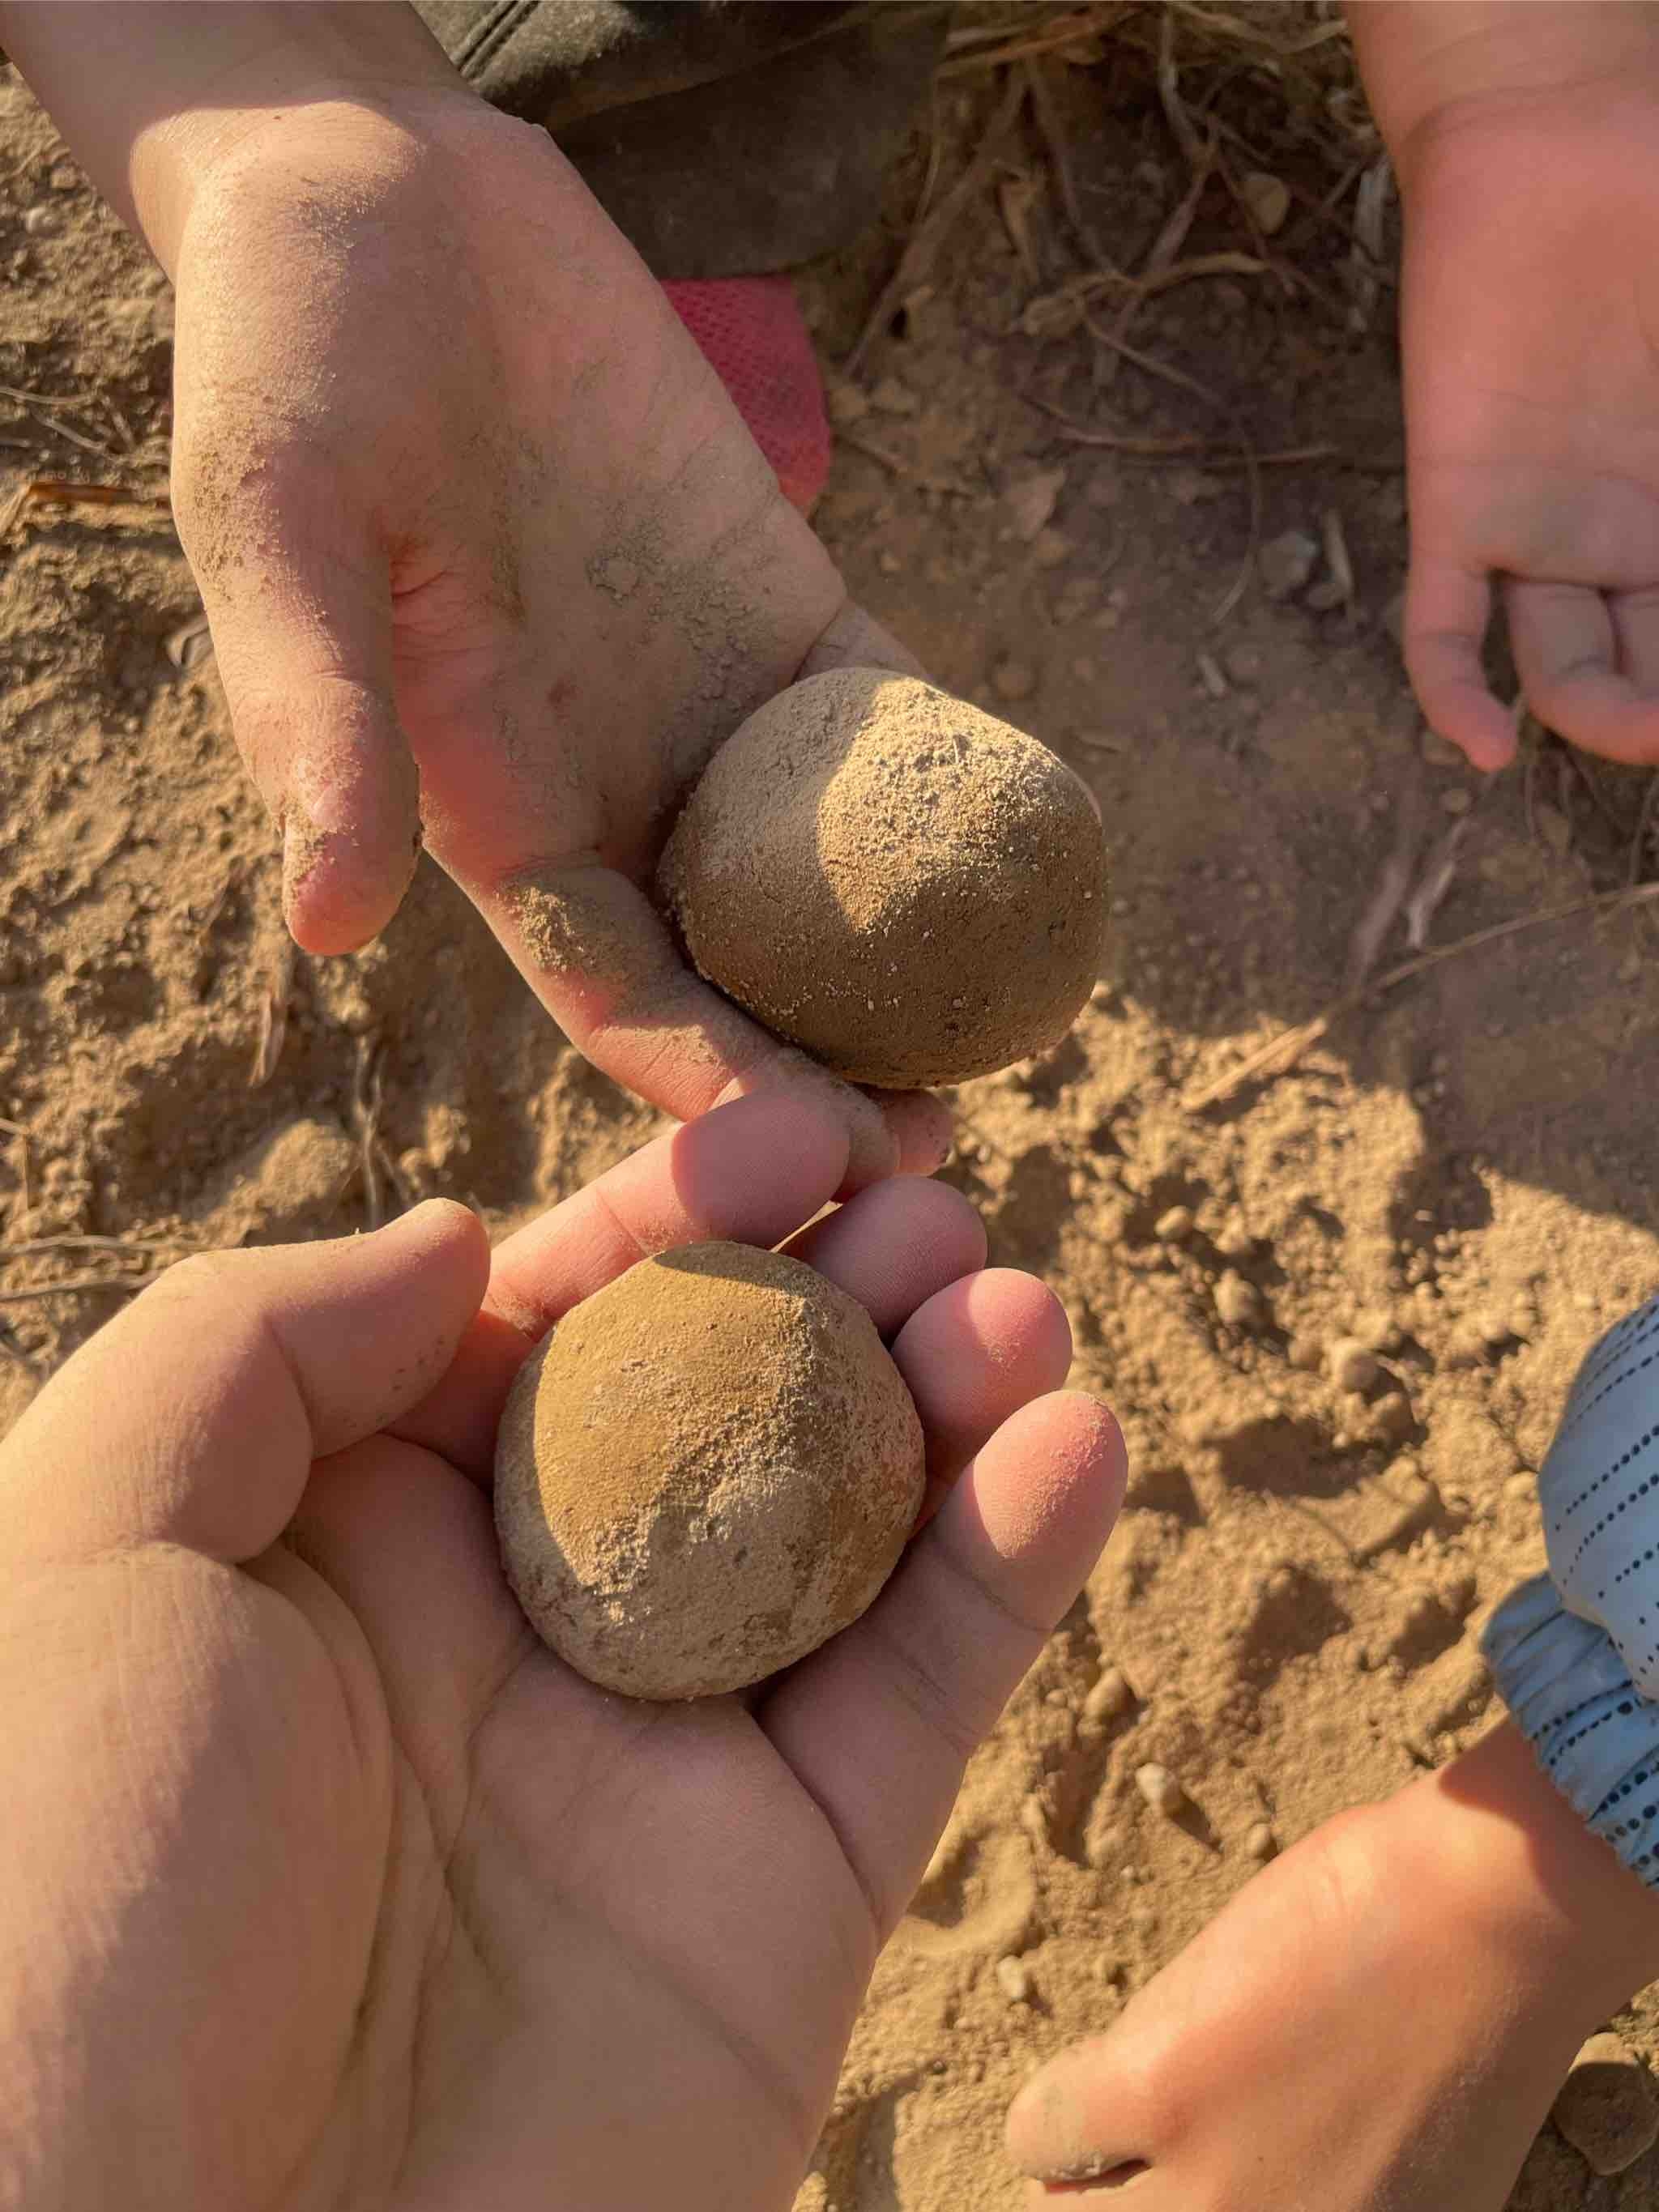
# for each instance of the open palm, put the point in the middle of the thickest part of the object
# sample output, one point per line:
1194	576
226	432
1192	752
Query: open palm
333	1886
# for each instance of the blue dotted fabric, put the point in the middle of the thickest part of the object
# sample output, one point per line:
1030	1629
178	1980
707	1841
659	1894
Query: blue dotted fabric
1575	1653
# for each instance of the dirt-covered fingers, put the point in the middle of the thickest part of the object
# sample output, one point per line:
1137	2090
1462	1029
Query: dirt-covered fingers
897	1248
601	958
917	1683
1588	665
747	1173
299	600
1447	607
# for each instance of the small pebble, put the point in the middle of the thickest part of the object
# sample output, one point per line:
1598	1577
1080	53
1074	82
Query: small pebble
1015	1976
1375	1327
892	398
1522	1487
1238	1303
1493	1330
1174	1226
1210	676
1030	503
1110	1697
1285	562
63	177
1455	801
1161	1791
1349	1365
1607	2108
1051	549
1013	680
1306	1354
1261	1842
1392	1419
848	404
38	221
1267	197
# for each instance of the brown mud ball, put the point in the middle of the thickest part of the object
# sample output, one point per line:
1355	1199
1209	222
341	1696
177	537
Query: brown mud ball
903	886
710	1468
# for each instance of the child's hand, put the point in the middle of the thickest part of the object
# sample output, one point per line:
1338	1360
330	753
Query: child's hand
486	549
489	555
324	1881
1527	142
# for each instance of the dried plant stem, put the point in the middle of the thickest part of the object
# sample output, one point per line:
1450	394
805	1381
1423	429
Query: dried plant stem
1280	1053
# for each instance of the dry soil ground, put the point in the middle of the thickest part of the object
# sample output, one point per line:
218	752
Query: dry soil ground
1461	1170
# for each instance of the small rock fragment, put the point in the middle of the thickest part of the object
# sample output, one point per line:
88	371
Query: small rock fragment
1015	1976
1210	676
1607	2108
1013	680
1261	1842
1392	1419
1174	1226
892	398
1268	199
848	404
1375	1327
1306	1354
1161	1791
1351	1365
1522	1487
1285	562
1110	1697
63	177
1031	502
1238	1303
1051	549
1455	801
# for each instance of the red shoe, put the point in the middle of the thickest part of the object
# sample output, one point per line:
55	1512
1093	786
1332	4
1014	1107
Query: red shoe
752	334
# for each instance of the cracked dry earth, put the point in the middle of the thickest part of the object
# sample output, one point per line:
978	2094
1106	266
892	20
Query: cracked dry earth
1460	1175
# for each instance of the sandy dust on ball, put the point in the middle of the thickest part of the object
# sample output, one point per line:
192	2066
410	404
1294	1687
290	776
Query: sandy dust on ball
902	885
710	1467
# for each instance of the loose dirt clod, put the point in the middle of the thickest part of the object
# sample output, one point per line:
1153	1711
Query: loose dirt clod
903	886
1607	2108
1161	1791
709	1469
1353	1365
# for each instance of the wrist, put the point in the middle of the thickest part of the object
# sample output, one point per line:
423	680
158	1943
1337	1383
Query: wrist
1426	62
155	99
1578	1932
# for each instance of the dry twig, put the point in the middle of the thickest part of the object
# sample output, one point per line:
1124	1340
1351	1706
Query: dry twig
54	491
897	466
71	1285
1280	1053
928	235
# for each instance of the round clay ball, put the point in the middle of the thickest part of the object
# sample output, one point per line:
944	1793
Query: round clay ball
902	885
710	1468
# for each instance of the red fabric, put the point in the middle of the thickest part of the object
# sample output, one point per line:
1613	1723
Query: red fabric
752	334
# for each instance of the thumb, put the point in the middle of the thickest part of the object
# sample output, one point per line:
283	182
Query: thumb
194	1416
302	636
